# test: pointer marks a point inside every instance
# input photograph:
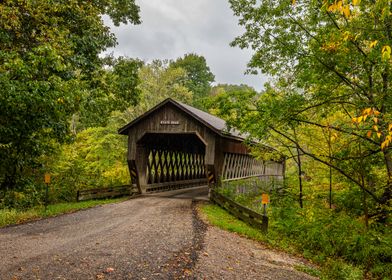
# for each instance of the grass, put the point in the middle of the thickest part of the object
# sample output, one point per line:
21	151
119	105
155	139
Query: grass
14	216
224	220
308	270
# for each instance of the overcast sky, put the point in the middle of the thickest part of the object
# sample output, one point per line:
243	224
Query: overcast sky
172	28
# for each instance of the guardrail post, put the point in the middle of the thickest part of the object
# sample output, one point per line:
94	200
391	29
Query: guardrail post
264	225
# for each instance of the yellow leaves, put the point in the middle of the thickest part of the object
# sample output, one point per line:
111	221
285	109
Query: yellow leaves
346	11
340	7
380	129
356	2
367	111
330	47
386	142
386	52
373	44
334	136
347	36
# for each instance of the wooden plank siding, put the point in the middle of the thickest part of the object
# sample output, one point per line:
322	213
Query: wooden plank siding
186	124
174	142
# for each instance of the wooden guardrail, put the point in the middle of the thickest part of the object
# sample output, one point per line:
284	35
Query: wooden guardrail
109	192
159	187
245	214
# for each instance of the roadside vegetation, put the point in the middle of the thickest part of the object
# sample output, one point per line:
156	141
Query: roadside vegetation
337	238
13	216
339	245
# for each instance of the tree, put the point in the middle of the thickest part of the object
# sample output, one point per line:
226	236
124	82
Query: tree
115	89
49	52
329	58
158	82
199	76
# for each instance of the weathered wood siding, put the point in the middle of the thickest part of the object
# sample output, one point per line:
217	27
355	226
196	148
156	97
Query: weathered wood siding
174	144
183	123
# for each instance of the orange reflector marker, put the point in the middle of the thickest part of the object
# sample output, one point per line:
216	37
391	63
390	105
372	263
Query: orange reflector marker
47	178
265	198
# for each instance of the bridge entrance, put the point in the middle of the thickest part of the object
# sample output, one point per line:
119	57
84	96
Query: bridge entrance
174	160
174	145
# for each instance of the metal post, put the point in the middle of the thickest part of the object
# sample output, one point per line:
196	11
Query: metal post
46	196
264	200
265	224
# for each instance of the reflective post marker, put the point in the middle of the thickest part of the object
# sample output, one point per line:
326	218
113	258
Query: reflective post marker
265	200
47	182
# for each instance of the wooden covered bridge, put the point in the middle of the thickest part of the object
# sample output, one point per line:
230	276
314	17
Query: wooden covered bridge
174	145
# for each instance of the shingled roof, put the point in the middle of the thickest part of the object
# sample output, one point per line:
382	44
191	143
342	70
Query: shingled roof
214	123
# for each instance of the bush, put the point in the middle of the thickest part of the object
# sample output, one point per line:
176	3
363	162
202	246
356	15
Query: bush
25	196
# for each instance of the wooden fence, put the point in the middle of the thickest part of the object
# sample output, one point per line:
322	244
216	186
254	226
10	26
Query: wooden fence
247	215
109	192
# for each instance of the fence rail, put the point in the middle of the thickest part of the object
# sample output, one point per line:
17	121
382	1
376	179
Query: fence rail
109	192
245	214
176	185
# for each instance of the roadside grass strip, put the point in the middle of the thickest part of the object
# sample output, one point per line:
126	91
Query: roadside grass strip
16	216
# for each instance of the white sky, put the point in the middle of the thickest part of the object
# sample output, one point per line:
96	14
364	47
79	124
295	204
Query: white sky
172	28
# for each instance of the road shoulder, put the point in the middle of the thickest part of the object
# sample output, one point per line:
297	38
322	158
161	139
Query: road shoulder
227	255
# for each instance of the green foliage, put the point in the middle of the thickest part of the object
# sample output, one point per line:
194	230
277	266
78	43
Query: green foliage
339	270
48	54
115	89
308	270
97	158
199	76
30	195
331	87
158	82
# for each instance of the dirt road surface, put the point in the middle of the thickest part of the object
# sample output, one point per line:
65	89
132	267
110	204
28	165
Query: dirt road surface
158	236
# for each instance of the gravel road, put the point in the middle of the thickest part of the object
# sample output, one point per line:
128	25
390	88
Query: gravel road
158	236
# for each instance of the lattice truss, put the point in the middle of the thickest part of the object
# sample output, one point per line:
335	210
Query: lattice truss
241	166
169	166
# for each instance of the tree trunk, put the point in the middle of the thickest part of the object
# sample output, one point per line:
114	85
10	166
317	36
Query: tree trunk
387	195
299	176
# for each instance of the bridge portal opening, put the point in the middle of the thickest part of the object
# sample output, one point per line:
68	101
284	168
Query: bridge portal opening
173	160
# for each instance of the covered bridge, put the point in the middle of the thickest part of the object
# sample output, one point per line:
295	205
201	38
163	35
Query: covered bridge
175	145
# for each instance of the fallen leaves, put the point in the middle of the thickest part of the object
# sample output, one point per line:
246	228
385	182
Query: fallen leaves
109	270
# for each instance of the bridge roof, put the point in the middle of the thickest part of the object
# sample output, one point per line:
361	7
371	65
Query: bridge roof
216	124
